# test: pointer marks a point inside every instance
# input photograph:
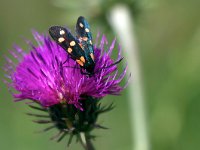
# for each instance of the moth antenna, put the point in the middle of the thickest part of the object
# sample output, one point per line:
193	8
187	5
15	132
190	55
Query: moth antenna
118	61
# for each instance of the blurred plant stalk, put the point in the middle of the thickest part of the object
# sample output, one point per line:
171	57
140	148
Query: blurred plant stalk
123	24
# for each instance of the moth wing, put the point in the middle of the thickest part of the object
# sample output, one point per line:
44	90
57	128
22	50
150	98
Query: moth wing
67	41
84	35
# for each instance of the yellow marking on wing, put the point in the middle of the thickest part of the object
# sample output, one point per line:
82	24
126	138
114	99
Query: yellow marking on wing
72	43
87	30
62	32
82	59
85	38
92	56
61	39
69	50
81	25
79	62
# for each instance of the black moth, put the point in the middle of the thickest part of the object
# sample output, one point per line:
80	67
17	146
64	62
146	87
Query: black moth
81	48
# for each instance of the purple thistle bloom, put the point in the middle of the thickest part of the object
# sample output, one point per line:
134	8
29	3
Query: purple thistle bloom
41	75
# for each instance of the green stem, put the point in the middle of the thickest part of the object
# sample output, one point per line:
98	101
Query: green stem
86	142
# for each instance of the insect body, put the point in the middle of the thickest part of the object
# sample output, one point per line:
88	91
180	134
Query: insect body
80	48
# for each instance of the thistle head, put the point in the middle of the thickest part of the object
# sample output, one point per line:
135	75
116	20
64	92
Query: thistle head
71	100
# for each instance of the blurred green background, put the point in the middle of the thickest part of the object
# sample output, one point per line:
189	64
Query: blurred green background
168	36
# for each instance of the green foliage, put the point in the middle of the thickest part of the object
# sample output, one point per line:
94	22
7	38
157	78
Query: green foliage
168	38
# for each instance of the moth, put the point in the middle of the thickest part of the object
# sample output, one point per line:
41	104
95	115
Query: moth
80	48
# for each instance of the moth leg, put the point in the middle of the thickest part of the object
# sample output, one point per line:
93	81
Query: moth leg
65	61
82	71
85	73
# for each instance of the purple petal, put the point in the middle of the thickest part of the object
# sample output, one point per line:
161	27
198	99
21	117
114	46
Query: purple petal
41	75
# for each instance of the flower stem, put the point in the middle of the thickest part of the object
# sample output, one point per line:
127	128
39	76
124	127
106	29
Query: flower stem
124	28
86	141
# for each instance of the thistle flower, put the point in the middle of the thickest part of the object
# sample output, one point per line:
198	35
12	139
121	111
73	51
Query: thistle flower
71	99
